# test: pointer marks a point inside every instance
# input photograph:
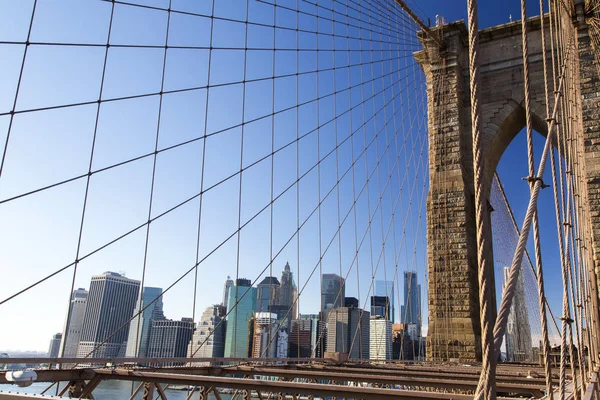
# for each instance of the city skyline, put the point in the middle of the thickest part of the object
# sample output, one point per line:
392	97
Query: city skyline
209	335
155	311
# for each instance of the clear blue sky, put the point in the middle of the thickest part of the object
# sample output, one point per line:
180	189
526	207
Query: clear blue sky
39	233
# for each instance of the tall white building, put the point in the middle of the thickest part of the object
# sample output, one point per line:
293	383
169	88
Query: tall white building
72	333
110	305
282	344
228	284
54	345
264	342
380	346
208	340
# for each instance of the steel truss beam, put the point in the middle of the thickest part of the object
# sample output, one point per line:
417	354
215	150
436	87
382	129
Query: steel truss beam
275	386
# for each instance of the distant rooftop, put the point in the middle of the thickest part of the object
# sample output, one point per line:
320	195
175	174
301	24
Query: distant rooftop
270	280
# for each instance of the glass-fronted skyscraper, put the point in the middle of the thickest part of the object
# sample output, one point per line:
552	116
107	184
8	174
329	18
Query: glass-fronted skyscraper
238	321
111	303
411	310
139	328
333	292
386	288
267	294
381	307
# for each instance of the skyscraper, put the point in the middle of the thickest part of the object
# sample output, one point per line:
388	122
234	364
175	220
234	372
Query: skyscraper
139	328
288	291
411	310
72	333
238	331
386	288
170	338
54	345
111	303
264	342
380	339
303	336
228	284
208	340
350	302
348	332
333	291
267	294
282	344
518	330
380	306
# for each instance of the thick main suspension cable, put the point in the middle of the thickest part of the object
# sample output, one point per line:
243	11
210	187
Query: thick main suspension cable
488	371
421	24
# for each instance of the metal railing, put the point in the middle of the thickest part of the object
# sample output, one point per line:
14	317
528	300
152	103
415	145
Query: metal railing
591	392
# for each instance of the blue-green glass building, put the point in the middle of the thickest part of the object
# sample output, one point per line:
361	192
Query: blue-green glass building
238	330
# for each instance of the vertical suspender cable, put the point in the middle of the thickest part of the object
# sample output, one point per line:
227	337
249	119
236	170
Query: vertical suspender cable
540	272
488	373
531	177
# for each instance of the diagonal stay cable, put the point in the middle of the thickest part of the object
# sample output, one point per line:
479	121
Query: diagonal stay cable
194	88
197	138
371	215
169	211
315	209
19	82
388	230
235	233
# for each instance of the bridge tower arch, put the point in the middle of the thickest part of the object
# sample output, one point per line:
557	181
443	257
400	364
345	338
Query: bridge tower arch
454	330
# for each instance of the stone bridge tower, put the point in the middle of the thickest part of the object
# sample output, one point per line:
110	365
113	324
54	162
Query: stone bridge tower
454	321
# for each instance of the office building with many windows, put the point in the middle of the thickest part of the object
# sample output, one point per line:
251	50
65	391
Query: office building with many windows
110	305
385	288
333	291
348	332
73	324
208	340
139	328
381	338
170	338
237	339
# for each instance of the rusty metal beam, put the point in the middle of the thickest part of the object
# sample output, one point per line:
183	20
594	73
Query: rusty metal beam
146	360
376	378
447	374
276	386
136	391
321	370
160	390
91	385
